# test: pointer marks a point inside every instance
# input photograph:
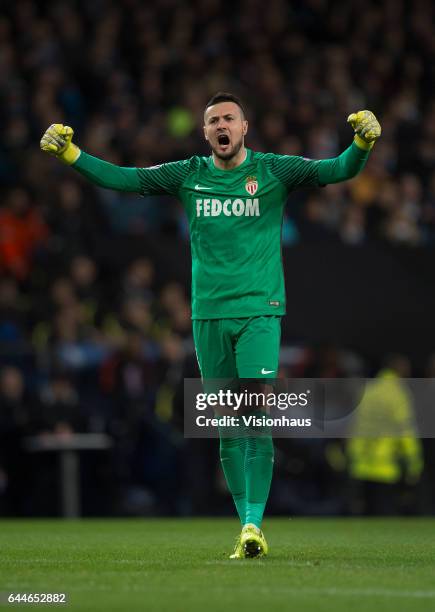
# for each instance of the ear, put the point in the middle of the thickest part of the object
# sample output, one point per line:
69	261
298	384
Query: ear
205	133
245	127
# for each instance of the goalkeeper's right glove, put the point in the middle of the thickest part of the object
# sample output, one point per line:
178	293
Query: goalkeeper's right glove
367	128
57	141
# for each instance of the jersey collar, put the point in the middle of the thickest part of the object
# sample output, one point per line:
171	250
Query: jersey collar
244	163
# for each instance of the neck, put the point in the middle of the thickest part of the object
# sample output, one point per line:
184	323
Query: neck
233	162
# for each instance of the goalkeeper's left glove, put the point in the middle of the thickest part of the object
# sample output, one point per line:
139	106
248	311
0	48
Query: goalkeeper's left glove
57	141
367	128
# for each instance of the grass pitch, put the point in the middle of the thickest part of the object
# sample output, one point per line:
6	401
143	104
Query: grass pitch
182	565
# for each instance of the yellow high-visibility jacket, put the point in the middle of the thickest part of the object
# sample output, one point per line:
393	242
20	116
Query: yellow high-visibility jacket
386	409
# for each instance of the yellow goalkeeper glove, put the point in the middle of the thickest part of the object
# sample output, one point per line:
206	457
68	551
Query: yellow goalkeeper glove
57	141
367	128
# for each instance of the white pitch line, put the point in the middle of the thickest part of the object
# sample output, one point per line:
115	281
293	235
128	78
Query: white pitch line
369	592
332	591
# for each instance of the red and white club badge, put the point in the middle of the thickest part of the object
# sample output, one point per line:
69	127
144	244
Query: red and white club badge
251	185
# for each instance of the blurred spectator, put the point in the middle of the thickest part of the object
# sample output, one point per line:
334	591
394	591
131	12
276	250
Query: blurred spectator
402	226
60	409
75	218
12	313
352	230
384	452
145	450
61	295
13	411
22	230
136	316
313	224
14	422
84	275
132	374
75	344
174	309
138	280
402	229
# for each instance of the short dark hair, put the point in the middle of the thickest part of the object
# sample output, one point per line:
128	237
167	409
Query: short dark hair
223	96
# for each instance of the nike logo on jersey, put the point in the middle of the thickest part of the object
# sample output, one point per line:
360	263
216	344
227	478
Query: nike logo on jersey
263	371
200	187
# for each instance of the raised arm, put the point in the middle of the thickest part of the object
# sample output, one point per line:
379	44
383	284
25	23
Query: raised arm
349	163
295	171
107	175
57	141
162	179
343	167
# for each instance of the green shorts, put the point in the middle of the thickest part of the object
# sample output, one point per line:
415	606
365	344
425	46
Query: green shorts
238	348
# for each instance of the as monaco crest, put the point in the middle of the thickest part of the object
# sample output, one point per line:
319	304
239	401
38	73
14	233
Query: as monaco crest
251	185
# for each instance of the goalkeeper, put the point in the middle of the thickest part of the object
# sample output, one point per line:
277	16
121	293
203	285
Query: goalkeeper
234	200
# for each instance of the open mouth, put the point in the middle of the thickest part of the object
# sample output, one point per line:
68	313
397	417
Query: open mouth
223	140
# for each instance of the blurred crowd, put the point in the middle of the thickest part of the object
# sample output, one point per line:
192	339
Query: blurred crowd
86	348
132	79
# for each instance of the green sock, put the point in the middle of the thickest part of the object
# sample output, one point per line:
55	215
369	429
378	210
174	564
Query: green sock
232	453
258	474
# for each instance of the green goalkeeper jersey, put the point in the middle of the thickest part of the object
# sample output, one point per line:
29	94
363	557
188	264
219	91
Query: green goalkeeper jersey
235	219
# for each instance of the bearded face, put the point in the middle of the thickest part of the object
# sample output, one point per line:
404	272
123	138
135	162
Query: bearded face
225	129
